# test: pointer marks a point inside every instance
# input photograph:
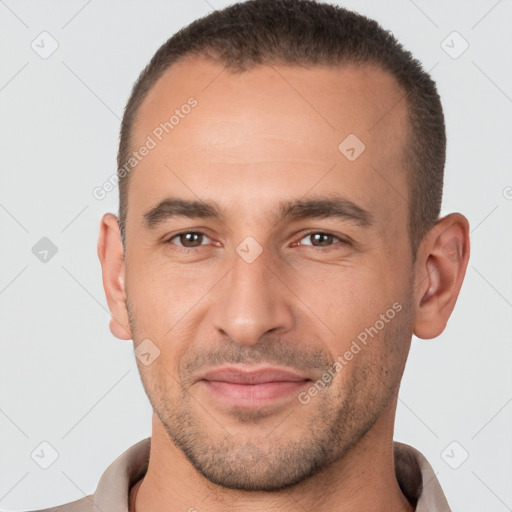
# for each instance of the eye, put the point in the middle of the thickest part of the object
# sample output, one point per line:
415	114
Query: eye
189	239
320	239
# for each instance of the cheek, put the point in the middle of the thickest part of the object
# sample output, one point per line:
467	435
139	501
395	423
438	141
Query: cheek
161	384
346	299
166	303
366	314
163	294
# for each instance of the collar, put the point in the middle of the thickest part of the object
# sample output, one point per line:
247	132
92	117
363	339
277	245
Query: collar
415	476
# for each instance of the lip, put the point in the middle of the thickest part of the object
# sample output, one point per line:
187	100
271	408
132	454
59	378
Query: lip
250	376
252	388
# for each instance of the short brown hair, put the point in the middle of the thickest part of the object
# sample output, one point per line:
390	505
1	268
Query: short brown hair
304	33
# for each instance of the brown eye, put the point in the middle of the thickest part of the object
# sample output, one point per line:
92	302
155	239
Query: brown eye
319	239
188	239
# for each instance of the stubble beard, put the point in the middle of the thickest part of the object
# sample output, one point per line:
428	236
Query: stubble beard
274	459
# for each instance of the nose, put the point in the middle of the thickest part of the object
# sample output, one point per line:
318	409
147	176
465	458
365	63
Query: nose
252	301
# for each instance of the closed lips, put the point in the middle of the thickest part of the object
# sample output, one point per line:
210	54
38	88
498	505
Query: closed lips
262	376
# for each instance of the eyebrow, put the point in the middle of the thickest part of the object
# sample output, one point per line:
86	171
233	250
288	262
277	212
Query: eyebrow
173	207
315	208
327	207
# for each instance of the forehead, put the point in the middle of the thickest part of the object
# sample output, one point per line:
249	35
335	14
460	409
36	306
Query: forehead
273	127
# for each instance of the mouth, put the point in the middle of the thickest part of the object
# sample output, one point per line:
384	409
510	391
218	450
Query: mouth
252	388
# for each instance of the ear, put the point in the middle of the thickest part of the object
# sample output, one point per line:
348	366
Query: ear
110	253
440	268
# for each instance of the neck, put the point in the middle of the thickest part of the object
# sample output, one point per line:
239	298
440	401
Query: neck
363	481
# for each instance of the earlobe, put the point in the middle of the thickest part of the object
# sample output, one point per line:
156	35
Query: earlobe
440	268
110	253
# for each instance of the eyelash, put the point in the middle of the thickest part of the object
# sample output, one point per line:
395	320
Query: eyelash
339	239
180	248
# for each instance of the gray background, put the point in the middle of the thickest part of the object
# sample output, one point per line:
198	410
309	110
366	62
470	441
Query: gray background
66	380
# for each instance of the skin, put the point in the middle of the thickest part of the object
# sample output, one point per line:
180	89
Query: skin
255	139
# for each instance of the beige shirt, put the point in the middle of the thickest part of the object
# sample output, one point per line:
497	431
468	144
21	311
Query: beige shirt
414	474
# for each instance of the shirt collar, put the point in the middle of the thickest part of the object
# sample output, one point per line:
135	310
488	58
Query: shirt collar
414	474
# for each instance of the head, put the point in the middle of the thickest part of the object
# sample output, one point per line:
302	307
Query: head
288	216
308	34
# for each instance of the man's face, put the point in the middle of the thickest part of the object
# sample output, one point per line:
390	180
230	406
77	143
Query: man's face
242	286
